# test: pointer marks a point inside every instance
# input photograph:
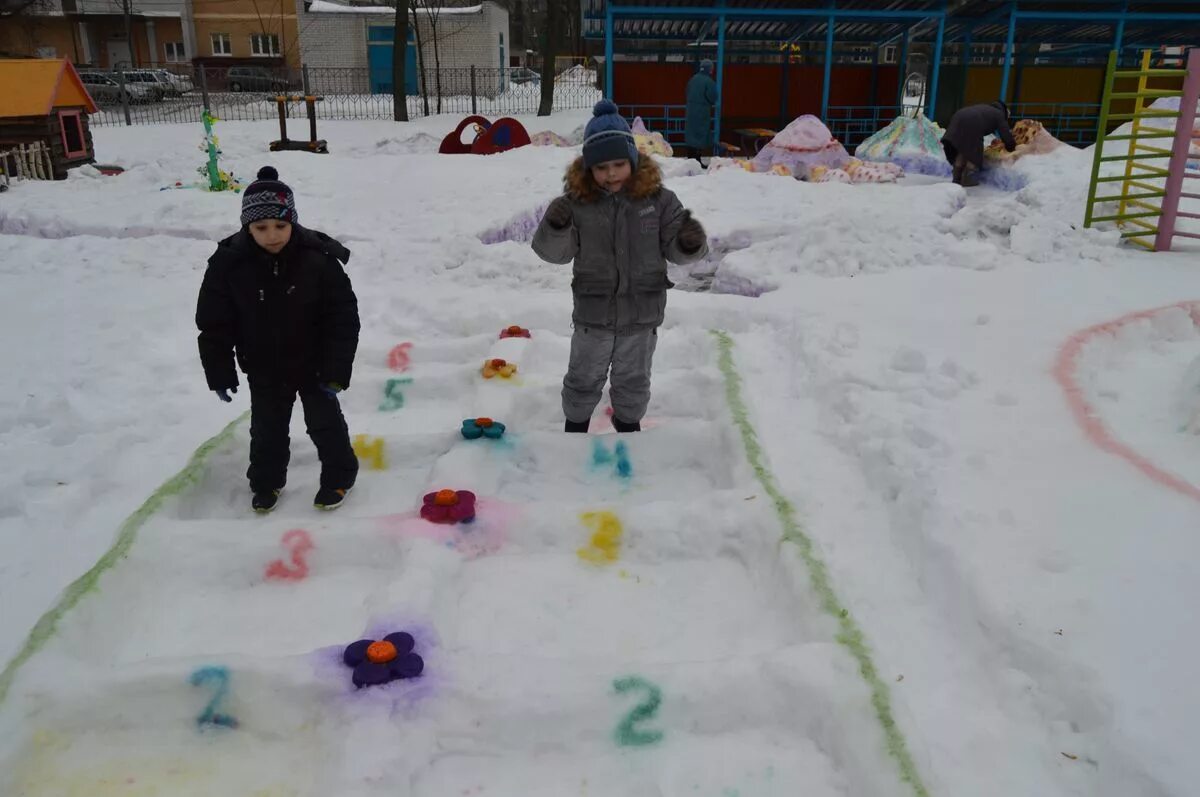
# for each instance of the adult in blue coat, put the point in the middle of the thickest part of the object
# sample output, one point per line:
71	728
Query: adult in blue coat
701	97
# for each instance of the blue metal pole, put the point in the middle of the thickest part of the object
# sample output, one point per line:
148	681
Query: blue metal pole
966	66
1120	34
828	71
1008	50
931	103
702	12
902	70
720	83
608	51
874	78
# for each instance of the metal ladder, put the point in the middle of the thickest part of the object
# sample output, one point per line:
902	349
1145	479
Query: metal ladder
1154	224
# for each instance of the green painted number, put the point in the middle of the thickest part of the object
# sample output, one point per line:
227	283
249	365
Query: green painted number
626	734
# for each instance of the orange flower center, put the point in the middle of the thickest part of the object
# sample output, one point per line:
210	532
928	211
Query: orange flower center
381	652
446	498
483	423
498	363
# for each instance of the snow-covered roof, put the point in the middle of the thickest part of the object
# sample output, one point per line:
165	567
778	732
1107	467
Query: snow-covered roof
329	7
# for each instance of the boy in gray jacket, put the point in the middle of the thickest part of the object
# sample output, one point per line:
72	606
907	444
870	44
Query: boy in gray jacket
620	226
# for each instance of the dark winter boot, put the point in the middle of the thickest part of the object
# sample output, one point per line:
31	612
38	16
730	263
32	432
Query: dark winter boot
970	178
621	426
577	426
330	497
265	501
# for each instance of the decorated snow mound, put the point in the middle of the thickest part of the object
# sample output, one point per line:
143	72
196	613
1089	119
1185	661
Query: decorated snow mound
914	144
1032	139
857	171
805	143
548	138
649	143
806	150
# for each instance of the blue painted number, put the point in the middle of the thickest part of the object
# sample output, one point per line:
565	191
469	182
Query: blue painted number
219	676
626	734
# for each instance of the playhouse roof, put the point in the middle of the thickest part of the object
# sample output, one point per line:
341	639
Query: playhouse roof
35	86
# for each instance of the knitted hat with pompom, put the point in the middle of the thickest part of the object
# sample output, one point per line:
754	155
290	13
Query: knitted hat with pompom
607	137
268	198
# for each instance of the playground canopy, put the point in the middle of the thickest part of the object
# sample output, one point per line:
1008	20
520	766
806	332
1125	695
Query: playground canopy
1079	28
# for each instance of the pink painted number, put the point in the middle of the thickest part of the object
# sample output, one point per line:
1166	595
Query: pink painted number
300	543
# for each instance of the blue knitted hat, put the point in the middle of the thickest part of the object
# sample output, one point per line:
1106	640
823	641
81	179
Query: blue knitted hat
268	198
607	137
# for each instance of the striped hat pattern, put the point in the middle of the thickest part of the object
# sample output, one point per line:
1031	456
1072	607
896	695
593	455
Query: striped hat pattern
268	198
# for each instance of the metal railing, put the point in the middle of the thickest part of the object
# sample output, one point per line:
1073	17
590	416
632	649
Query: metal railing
180	93
1069	122
854	124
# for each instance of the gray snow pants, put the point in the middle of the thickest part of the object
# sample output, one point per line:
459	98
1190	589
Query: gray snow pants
592	352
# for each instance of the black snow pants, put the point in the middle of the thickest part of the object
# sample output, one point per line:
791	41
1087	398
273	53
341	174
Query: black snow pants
270	420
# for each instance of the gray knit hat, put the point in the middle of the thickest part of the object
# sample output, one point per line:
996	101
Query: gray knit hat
268	198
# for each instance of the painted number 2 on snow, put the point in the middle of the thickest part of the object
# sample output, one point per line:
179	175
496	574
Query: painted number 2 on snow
218	677
627	733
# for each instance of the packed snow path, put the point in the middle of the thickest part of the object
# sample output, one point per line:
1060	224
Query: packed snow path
1023	593
617	620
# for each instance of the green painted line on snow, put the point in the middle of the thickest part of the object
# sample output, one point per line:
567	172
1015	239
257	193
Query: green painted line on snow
849	635
47	626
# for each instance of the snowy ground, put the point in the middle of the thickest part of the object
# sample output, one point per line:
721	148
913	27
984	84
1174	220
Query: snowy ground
1024	593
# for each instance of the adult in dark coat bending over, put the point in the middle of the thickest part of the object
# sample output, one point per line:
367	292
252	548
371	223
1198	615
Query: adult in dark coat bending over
963	141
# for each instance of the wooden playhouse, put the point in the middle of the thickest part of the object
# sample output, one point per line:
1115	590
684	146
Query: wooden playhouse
44	106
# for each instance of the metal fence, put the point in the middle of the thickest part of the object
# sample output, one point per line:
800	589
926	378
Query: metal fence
180	94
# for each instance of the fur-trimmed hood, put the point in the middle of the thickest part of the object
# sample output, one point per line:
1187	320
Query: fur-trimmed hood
646	181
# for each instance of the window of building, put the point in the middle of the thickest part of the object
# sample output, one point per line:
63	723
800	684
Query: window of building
221	44
174	51
889	54
264	44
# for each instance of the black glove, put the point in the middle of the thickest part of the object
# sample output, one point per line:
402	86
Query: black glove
559	213
224	396
691	236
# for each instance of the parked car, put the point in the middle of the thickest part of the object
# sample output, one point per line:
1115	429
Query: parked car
523	74
255	78
106	90
176	84
147	78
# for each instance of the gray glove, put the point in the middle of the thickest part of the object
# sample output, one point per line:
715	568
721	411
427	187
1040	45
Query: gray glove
559	213
691	236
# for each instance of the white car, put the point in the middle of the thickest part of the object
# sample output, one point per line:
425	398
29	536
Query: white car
105	89
176	85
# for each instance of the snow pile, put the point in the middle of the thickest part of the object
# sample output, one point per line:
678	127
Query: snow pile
804	144
1008	574
548	138
1032	139
1143	382
913	143
649	143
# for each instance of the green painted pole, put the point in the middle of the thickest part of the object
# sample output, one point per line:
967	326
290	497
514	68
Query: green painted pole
1101	132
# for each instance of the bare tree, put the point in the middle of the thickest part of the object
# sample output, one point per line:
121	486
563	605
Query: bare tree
28	16
400	63
554	14
416	23
19	8
433	16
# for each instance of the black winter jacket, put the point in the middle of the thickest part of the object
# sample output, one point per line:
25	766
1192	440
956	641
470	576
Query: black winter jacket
969	125
292	318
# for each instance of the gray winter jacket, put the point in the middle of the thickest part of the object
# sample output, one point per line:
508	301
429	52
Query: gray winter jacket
620	244
969	125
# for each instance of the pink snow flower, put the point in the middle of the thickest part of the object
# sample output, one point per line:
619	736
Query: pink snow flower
449	506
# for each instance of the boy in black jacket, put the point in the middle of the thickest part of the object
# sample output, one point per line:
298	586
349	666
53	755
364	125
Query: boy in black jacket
277	294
